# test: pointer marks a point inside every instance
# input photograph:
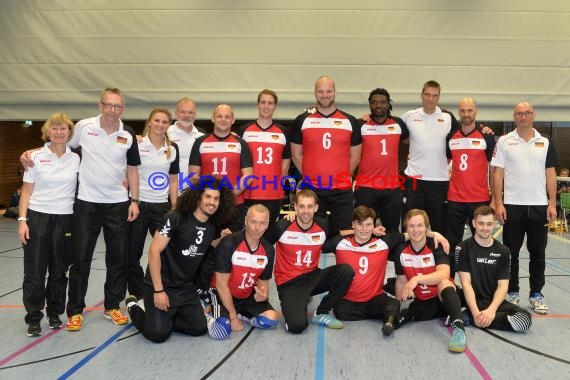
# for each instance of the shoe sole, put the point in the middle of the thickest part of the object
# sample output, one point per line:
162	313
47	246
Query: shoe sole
35	335
73	328
114	322
54	327
456	349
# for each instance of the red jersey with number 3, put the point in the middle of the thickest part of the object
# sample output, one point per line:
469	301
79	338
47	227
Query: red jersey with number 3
379	162
470	155
268	148
326	144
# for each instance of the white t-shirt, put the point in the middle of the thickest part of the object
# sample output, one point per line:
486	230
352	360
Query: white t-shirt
185	141
155	166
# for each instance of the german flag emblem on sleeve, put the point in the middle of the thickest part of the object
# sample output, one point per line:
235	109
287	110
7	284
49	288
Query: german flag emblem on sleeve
121	140
337	123
539	144
315	238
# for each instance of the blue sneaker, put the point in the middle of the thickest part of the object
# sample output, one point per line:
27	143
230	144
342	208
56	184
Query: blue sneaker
327	320
514	298
537	303
457	341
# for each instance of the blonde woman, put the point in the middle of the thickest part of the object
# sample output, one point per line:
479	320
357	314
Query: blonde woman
158	184
44	225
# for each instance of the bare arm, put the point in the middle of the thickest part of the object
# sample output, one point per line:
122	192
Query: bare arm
158	244
222	286
297	156
23	230
498	177
469	293
261	291
133	178
245	180
355	152
173	190
285	166
551	190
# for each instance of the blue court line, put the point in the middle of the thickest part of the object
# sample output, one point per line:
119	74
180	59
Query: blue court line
94	353
320	354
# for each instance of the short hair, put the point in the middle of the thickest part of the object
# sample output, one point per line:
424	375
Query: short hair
483	211
258	207
381	91
361	213
112	90
414	212
431	83
147	127
265	91
185	99
221	106
57	119
306	193
564	170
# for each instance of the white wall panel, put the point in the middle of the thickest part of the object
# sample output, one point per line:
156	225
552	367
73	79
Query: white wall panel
60	54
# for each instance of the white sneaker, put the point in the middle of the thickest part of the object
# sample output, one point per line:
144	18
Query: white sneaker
514	298
536	302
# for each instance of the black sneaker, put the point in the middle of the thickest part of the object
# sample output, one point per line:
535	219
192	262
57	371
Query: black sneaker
387	329
130	301
54	322
405	317
34	329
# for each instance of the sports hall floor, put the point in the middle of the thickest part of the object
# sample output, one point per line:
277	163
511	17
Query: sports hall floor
359	351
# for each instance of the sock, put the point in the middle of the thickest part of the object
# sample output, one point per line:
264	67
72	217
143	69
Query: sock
219	329
262	322
519	321
452	305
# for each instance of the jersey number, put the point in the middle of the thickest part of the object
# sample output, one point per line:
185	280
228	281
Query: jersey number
223	169
306	259
248	279
327	140
383	151
200	237
463	162
363	265
268	159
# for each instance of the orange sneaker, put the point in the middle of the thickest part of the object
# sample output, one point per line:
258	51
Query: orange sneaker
116	316
74	323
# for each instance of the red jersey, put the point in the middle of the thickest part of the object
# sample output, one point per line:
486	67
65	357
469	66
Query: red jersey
245	266
298	251
412	263
470	155
326	141
268	148
368	261
378	166
221	158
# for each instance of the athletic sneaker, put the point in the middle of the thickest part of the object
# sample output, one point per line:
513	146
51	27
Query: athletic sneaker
34	329
536	301
116	316
327	320
457	341
54	322
514	298
130	301
387	329
74	323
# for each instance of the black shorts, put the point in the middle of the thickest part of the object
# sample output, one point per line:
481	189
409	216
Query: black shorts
427	310
248	307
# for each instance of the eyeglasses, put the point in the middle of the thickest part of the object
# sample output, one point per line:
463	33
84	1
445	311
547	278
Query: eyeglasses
117	107
525	114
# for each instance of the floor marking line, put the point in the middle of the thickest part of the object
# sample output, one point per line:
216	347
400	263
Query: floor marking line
95	352
221	362
474	361
320	349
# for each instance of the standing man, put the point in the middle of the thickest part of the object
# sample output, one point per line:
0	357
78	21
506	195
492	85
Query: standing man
470	151
297	273
183	132
525	164
108	150
483	265
325	147
423	272
220	154
244	266
176	252
269	146
378	181
427	175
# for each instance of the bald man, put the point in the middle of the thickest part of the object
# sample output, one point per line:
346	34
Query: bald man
525	165
470	151
221	154
325	146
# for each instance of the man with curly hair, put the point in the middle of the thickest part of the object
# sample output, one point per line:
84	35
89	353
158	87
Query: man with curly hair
174	258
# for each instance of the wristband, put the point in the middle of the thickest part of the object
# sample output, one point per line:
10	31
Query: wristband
159	291
22	219
134	200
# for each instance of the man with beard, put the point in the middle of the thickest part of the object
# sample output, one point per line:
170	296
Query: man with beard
183	132
483	265
377	182
171	301
470	151
325	147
